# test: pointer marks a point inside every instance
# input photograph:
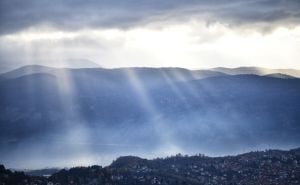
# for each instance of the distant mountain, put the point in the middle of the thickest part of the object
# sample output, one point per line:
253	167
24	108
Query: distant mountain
170	73
261	167
73	63
28	70
279	75
257	71
47	172
144	111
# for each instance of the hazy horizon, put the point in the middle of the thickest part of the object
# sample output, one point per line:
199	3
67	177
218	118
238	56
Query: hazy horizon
193	69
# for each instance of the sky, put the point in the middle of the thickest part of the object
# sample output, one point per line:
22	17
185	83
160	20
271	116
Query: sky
193	34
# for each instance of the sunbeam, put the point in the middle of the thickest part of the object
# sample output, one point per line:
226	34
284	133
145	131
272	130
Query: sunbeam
86	82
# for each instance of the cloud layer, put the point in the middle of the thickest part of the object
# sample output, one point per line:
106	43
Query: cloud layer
16	15
189	45
157	33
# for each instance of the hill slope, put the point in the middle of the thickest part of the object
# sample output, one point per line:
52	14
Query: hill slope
144	111
268	167
257	71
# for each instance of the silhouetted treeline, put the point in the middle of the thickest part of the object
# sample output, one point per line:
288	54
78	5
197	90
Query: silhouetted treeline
269	167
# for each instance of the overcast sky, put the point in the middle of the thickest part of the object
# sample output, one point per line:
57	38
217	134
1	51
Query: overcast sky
193	34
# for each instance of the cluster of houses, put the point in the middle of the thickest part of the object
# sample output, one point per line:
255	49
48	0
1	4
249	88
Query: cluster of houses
269	167
272	167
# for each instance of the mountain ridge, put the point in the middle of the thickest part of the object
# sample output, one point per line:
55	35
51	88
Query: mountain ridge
144	111
257	70
29	69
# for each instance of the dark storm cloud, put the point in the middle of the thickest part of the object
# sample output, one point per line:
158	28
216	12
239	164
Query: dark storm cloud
16	15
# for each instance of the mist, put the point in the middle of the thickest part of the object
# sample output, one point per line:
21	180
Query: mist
55	117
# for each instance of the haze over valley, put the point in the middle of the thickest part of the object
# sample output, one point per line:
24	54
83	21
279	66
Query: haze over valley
62	117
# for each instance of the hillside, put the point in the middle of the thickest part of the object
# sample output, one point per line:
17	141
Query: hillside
257	71
264	167
179	73
142	111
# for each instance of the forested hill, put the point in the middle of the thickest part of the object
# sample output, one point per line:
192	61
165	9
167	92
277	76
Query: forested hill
264	167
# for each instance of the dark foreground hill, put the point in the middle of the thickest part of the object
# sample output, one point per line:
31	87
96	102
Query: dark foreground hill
267	168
